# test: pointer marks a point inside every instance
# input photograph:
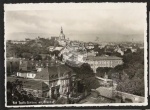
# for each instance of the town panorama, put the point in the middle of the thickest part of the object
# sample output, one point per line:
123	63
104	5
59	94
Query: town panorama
58	70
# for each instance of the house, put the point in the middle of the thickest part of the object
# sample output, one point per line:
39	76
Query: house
26	74
59	79
50	48
101	46
58	48
133	50
26	65
26	69
36	87
119	50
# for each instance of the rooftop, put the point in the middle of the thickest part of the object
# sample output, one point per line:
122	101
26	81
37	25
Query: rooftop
53	72
29	83
103	58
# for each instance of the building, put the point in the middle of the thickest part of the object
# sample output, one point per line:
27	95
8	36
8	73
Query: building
62	35
26	74
26	65
18	42
91	53
26	69
119	50
36	87
89	45
58	48
54	38
50	48
12	65
103	61
133	50
62	41
59	78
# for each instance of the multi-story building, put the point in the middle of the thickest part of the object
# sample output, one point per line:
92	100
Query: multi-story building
62	41
26	69
58	77
103	61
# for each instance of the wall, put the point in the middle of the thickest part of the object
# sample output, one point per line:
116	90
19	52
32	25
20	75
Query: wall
109	93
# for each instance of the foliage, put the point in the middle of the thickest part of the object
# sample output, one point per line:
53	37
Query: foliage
101	71
12	67
85	73
15	93
39	46
132	73
133	86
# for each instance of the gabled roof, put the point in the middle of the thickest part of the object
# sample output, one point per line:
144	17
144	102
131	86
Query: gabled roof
44	74
53	72
36	85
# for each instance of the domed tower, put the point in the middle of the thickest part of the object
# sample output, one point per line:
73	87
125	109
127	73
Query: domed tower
62	35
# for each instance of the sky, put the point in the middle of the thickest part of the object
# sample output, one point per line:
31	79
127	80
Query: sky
110	22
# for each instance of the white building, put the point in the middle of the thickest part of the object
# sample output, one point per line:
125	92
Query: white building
103	61
26	74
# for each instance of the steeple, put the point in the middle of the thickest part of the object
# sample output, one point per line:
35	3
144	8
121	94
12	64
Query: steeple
61	36
61	31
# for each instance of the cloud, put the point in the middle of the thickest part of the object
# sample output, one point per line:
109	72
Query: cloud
79	21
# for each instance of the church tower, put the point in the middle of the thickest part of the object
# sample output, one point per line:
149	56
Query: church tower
62	35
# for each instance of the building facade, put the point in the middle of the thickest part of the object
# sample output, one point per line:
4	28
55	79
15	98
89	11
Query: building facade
26	74
58	77
103	61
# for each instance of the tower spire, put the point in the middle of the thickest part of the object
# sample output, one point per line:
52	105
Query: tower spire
61	30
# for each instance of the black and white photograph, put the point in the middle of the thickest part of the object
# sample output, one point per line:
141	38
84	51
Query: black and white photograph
75	54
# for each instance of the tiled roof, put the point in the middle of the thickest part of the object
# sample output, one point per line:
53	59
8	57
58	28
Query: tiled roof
25	71
33	84
44	74
53	72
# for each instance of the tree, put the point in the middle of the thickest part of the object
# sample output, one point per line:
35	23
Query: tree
37	57
134	86
128	51
26	55
56	53
100	71
16	93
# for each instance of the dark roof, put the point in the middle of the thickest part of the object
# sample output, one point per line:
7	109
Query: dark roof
26	65
53	72
24	71
103	58
44	74
33	84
